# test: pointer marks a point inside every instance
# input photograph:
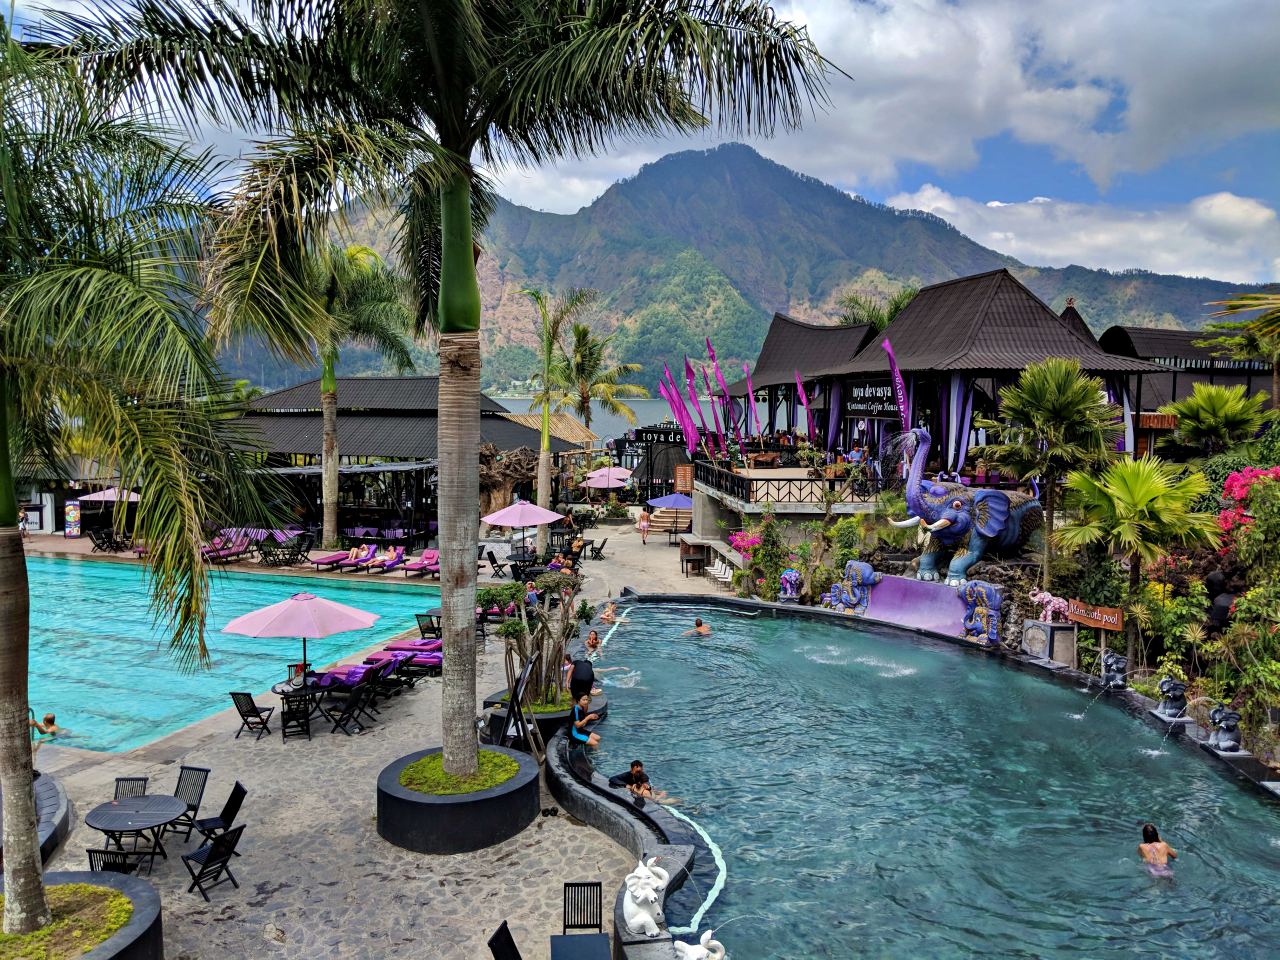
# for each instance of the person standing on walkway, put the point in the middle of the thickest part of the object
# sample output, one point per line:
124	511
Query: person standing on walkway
643	525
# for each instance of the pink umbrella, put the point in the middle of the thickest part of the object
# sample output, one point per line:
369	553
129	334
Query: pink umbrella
604	482
109	495
618	473
521	514
303	615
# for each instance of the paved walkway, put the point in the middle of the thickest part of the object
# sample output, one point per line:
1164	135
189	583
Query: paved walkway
316	880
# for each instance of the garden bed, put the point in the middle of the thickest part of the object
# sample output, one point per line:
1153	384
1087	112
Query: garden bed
97	916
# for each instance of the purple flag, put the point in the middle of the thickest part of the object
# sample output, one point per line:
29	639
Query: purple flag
804	399
724	447
730	408
692	388
899	388
666	395
681	411
751	399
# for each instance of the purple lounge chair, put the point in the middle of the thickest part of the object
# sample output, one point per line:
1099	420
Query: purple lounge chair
370	551
430	560
234	552
396	560
414	646
331	561
432	660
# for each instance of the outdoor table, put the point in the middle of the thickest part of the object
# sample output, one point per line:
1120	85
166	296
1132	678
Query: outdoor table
673	537
533	572
695	563
310	688
146	815
522	556
580	946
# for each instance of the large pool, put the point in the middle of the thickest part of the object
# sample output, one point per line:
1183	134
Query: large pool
98	662
881	796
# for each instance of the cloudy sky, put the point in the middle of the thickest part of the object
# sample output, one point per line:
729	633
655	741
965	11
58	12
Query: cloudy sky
1109	133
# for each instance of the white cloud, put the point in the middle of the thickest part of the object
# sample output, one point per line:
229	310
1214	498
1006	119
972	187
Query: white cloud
1221	235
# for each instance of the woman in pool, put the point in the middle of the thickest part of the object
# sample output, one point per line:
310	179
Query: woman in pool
582	716
593	642
1156	854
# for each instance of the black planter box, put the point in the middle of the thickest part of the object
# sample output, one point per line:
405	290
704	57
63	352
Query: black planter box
142	938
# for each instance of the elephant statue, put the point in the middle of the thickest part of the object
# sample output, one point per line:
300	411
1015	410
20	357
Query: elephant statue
859	578
642	903
1173	699
706	949
1226	736
982	611
963	523
789	586
1113	670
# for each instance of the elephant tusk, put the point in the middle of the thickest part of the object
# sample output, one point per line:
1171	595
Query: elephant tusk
909	522
938	524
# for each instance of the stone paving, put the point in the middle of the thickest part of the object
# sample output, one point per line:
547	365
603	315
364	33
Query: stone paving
315	878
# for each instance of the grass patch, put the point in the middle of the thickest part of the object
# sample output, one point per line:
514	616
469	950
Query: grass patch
84	916
427	775
563	705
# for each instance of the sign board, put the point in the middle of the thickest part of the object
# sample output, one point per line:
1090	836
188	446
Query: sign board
684	478
870	398
71	519
1091	615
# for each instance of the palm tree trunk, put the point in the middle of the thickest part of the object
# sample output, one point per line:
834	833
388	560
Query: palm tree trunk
25	908
1050	488
1131	626
459	480
329	452
544	474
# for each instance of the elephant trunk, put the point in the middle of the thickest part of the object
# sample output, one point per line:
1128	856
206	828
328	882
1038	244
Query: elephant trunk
915	500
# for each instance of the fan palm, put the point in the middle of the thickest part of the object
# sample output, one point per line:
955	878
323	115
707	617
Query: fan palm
102	352
583	375
1214	419
400	98
858	309
552	316
1138	509
1056	419
365	299
1256	338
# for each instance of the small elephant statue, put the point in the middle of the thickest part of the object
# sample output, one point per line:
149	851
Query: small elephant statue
706	949
1113	670
650	870
982	602
1173	698
1226	736
789	586
642	903
859	578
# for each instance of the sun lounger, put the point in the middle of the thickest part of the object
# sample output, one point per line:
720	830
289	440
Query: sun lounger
237	550
384	566
429	562
331	561
371	551
415	646
422	664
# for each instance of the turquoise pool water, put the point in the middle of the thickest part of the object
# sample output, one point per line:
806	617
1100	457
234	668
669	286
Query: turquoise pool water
98	662
877	796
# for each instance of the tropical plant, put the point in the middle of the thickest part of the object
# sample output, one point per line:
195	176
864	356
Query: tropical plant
583	375
395	101
1056	419
1257	338
243	392
877	312
552	316
99	229
365	300
1214	418
1137	509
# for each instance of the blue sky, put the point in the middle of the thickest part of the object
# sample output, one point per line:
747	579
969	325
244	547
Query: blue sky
1109	133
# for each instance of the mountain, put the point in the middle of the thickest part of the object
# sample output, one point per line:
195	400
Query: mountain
711	243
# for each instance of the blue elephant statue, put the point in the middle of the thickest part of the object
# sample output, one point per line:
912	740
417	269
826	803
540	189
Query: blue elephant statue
852	594
963	523
789	586
982	602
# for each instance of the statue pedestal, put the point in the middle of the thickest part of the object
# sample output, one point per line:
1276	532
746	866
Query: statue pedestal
1049	641
925	605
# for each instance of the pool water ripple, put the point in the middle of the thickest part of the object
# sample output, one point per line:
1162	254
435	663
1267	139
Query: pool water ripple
907	799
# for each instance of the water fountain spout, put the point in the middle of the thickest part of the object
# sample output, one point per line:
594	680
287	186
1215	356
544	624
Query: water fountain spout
1113	670
1173	698
1226	736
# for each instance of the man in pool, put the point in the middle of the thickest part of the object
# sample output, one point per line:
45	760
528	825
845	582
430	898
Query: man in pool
700	629
637	782
48	729
1156	854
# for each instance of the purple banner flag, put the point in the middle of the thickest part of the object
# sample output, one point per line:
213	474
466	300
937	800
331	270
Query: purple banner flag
751	399
730	408
804	399
715	416
692	387
691	436
899	388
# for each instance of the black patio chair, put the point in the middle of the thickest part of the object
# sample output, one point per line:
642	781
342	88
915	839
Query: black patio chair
211	827
295	715
498	568
102	541
116	861
130	787
210	866
502	945
354	704
597	550
428	625
121	540
583	907
271	553
300	549
190	790
252	716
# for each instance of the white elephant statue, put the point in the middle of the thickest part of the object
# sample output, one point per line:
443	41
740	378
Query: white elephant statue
650	869
642	906
707	949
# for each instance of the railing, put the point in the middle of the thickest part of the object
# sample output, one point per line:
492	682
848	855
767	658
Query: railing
862	487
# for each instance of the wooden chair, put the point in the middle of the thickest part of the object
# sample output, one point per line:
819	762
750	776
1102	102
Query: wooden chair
583	907
502	945
130	787
211	827
116	861
210	866
252	716
190	790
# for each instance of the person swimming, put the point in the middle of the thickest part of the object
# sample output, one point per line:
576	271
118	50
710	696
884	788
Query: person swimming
700	629
1156	854
593	642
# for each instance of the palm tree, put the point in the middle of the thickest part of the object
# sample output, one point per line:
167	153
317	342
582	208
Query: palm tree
858	309
1214	419
365	299
1257	338
551	321
396	100
101	350
1056	419
1138	509
583	375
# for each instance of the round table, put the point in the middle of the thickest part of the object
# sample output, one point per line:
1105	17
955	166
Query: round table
146	815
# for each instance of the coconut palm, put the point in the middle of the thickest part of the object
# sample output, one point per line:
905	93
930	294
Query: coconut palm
1137	509
858	309
583	375
399	99
1256	338
101	352
1214	419
551	320
1056	419
366	301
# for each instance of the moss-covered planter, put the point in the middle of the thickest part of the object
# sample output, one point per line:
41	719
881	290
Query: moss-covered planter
456	823
142	938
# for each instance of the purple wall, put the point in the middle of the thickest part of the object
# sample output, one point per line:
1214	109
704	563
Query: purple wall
917	603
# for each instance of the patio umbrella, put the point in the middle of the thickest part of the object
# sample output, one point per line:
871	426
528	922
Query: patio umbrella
604	482
522	514
619	473
672	501
109	495
303	615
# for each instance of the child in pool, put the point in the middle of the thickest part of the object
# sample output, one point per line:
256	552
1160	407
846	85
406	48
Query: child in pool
1156	854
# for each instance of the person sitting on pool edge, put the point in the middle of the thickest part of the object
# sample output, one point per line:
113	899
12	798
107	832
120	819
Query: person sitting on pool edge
699	629
1156	854
579	719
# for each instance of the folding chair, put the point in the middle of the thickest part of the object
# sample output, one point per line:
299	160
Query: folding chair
130	787
352	706
429	625
252	716
210	866
190	790
116	861
295	715
210	827
502	946
583	907
597	552
499	569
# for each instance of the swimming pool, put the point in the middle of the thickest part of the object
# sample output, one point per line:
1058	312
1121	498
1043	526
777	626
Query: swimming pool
98	662
878	795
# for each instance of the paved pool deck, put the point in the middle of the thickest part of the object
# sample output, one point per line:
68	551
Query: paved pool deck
316	881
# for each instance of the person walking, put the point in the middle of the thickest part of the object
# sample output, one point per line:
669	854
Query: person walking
643	525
